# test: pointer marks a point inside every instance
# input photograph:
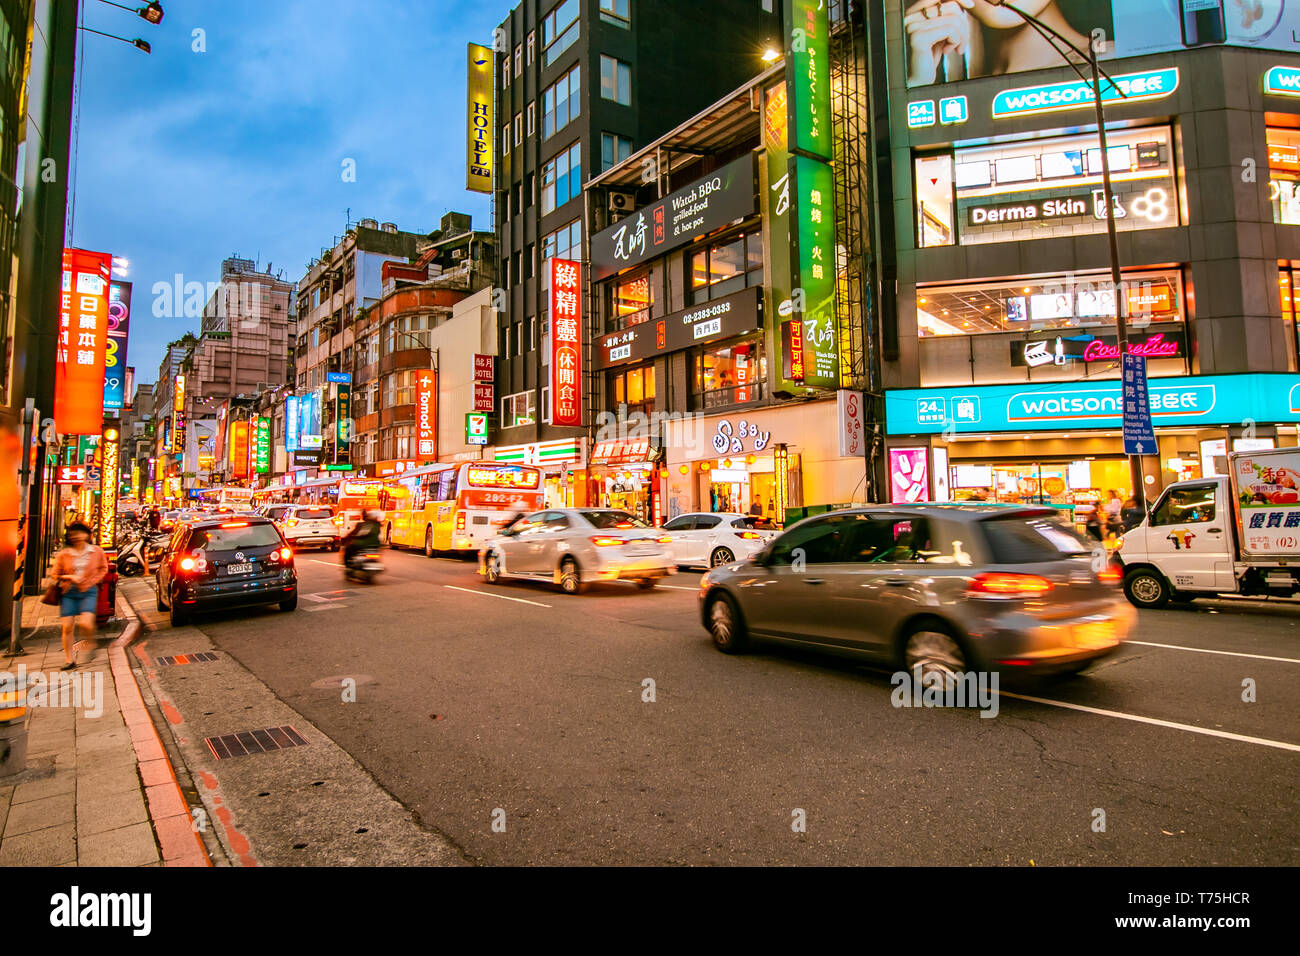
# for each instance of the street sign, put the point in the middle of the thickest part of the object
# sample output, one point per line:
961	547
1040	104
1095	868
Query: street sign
1139	436
342	378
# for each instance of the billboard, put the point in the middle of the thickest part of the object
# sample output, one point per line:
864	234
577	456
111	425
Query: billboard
82	343
117	390
479	122
946	41
262	445
292	405
426	415
309	421
239	449
566	343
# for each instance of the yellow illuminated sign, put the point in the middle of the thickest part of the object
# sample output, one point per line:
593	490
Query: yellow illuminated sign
480	123
108	484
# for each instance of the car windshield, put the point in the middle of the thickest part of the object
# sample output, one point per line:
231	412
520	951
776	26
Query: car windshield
1015	539
611	520
755	523
309	514
233	538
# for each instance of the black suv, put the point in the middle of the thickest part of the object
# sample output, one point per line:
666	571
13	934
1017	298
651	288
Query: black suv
222	562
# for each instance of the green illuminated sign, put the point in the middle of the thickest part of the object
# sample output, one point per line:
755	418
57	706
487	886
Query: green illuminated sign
262	445
808	76
813	226
333	467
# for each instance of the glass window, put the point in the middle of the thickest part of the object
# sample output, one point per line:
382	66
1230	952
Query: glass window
1288	274
632	300
889	540
707	521
532	36
562	178
559	30
726	267
519	131
564	243
613	150
1192	504
681	523
519	59
815	542
505	140
611	520
730	375
615	80
532	118
1284	174
934	226
1018	540
230	539
505	73
561	103
617	12
634	387
518	409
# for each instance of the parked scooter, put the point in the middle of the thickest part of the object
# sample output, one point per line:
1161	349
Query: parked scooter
141	554
363	567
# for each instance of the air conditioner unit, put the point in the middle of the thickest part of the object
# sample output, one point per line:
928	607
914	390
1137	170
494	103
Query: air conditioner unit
622	203
458	253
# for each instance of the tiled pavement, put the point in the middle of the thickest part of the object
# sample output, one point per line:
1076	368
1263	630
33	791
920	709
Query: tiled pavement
98	789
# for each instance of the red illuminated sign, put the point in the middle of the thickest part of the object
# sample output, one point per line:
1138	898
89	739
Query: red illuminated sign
794	349
82	343
503	476
426	415
566	343
72	474
484	397
483	367
239	449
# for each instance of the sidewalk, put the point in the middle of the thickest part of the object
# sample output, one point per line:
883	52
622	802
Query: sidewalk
98	789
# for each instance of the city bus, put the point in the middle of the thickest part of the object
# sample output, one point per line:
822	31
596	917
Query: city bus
456	507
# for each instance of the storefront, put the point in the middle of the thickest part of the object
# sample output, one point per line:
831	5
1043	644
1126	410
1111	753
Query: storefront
1059	444
563	464
625	473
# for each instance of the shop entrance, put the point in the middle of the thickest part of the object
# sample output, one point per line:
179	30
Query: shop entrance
1074	487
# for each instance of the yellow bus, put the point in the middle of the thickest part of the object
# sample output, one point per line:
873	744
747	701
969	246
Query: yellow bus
456	507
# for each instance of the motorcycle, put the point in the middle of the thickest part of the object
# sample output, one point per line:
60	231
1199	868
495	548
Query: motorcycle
140	554
362	567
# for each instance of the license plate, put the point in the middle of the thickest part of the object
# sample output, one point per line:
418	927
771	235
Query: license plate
1095	634
238	568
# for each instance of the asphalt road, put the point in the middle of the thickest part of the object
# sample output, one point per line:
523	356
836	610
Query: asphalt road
521	705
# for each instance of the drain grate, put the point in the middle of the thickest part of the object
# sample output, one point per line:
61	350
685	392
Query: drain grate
248	742
200	658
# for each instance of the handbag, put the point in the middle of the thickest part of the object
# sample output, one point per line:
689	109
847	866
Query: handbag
52	595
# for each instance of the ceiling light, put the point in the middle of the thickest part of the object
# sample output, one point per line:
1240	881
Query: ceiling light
770	55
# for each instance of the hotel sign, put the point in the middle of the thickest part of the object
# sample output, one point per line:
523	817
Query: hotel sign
1076	95
480	124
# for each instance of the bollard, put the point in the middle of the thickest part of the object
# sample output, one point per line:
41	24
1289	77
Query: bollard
13	733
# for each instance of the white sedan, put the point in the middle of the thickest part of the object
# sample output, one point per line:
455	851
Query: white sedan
709	540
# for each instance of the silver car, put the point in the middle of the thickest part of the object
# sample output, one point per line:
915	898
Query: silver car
701	539
947	588
572	547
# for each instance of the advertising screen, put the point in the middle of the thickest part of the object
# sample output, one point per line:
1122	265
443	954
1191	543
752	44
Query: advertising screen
309	421
116	390
82	343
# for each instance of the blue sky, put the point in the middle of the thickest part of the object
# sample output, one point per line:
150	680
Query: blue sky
185	158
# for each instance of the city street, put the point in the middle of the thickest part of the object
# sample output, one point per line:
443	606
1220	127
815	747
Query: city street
473	698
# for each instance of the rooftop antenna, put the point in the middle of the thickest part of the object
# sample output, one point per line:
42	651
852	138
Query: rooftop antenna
348	212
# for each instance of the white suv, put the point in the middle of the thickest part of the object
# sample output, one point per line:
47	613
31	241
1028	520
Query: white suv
312	524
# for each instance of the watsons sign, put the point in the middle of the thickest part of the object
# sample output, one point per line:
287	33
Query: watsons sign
1135	87
1028	211
1282	81
1199	400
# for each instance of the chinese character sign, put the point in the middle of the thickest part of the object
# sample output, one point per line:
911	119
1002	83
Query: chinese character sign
808	75
814	233
239	449
116	386
566	343
426	415
82	343
482	70
263	451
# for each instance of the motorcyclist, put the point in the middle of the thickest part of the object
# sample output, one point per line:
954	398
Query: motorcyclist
364	536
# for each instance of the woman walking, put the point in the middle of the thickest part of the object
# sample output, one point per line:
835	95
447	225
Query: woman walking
78	569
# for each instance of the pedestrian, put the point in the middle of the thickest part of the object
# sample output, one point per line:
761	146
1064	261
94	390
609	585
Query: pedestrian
155	519
1131	515
756	508
1114	509
78	569
1096	523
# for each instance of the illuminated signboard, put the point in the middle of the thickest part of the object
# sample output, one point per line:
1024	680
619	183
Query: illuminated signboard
291	423
476	429
813	228
178	433
1282	81
178	396
484	367
566	343
343	414
794	350
72	474
503	476
480	122
82	343
262	453
808	76
1074	95
108	488
309	422
239	449
117	385
426	415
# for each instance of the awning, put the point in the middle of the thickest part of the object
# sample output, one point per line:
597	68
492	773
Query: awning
624	451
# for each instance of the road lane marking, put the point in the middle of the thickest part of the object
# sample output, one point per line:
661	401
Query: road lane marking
1206	650
1259	741
499	596
678	587
328	564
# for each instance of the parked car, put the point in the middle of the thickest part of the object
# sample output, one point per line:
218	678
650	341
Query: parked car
708	540
312	524
276	512
574	546
946	588
216	563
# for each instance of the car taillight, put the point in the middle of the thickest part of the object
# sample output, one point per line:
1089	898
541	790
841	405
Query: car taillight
286	554
460	521
1110	575
235	524
750	535
193	563
1004	584
606	541
338	520
292	522
665	539
187	564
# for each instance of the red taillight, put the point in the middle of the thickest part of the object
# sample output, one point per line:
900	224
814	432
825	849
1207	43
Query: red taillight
606	541
338	520
286	554
1110	575
187	564
624	524
749	535
235	524
460	521
1002	584
291	523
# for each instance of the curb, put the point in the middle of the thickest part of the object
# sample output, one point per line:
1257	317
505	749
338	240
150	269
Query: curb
168	810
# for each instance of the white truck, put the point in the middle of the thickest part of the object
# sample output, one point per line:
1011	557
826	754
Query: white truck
1230	534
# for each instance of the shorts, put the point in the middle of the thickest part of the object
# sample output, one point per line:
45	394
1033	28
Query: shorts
74	602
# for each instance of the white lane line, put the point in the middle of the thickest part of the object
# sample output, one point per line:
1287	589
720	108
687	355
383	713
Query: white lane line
1206	650
328	564
678	587
498	596
1260	741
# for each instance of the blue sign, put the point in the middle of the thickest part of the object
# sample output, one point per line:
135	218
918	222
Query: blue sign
1139	435
920	113
1076	95
1197	400
952	110
343	378
1282	81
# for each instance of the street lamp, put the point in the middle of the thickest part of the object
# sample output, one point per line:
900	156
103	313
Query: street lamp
152	11
137	42
1121	304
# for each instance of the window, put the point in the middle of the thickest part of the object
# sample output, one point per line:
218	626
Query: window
730	375
530	189
616	12
505	73
532	36
519	59
816	542
613	150
631	301
681	523
530	257
399	389
1032	540
1284	174
1193	504
889	540
707	521
726	267
615	80
634	388
564	243
519	128
532	118
518	409
934	202
561	103
505	140
559	30
546	404
562	178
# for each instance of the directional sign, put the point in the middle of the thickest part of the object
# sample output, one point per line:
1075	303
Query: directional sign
1139	436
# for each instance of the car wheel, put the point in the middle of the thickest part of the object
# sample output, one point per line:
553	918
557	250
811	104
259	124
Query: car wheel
935	651
1146	588
570	580
178	617
726	626
291	604
492	568
428	542
720	557
646	584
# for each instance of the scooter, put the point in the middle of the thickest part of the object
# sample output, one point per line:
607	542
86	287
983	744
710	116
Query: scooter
140	553
363	567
